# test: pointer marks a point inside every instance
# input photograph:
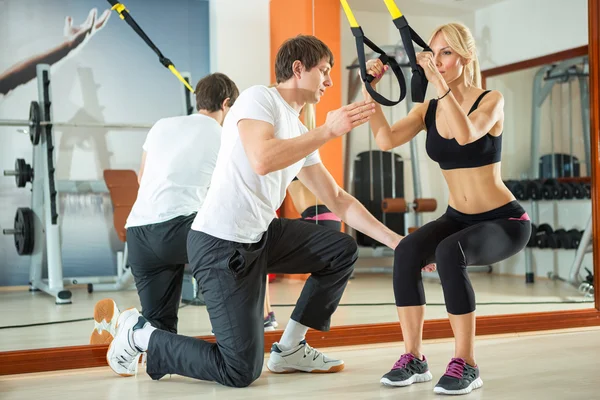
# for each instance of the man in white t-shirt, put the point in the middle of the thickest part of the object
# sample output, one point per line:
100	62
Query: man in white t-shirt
236	238
180	154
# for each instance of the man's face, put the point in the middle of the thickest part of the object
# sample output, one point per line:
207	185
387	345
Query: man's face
316	80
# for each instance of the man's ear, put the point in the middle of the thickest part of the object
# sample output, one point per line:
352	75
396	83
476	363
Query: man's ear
297	68
225	103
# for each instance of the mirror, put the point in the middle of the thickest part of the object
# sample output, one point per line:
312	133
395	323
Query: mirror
87	211
548	166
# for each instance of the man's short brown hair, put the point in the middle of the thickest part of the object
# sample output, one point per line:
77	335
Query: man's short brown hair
213	89
305	48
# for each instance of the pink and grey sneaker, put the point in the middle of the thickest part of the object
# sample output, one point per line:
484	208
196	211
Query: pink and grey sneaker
460	378
270	321
406	371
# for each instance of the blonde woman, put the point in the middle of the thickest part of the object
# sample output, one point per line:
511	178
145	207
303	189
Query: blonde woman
483	224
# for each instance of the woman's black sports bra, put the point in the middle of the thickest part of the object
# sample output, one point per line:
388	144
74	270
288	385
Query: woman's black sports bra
451	155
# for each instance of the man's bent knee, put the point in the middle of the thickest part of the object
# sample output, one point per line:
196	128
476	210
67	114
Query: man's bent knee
241	379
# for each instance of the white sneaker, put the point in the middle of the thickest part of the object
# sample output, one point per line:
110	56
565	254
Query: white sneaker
106	314
301	358
123	356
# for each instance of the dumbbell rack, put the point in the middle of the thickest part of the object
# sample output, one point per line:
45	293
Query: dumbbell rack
544	80
583	248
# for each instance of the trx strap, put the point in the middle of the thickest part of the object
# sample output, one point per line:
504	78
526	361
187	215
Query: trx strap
361	40
124	15
418	83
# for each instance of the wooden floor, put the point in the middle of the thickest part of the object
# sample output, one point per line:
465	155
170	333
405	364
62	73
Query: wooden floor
368	299
549	365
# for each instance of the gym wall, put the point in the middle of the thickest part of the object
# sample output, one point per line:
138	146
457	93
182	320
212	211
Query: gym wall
538	28
240	41
113	77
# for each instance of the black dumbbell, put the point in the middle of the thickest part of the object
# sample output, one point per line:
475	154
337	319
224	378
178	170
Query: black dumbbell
574	238
531	242
543	237
567	190
510	184
517	188
561	239
520	191
588	190
533	190
578	190
551	190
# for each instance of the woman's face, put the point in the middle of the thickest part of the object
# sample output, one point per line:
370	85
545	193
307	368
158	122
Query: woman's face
448	62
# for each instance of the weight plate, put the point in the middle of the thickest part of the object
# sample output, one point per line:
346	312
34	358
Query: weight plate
23	173
20	176
24	234
34	123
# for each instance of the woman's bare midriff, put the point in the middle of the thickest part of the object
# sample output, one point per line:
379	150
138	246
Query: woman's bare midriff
477	190
301	196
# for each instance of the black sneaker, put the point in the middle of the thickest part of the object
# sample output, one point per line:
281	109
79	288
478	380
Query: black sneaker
407	370
460	378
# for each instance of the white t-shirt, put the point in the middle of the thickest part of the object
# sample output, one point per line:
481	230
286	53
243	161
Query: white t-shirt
181	154
241	204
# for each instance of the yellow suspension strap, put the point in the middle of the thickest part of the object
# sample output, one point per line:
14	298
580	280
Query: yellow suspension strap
418	82
124	15
361	40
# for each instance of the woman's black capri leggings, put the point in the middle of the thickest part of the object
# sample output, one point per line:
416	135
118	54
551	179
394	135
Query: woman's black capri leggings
454	241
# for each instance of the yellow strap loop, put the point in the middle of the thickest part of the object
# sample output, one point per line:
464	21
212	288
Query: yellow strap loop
119	8
349	15
178	75
393	9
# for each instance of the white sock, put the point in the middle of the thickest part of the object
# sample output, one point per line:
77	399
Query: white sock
141	337
294	333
